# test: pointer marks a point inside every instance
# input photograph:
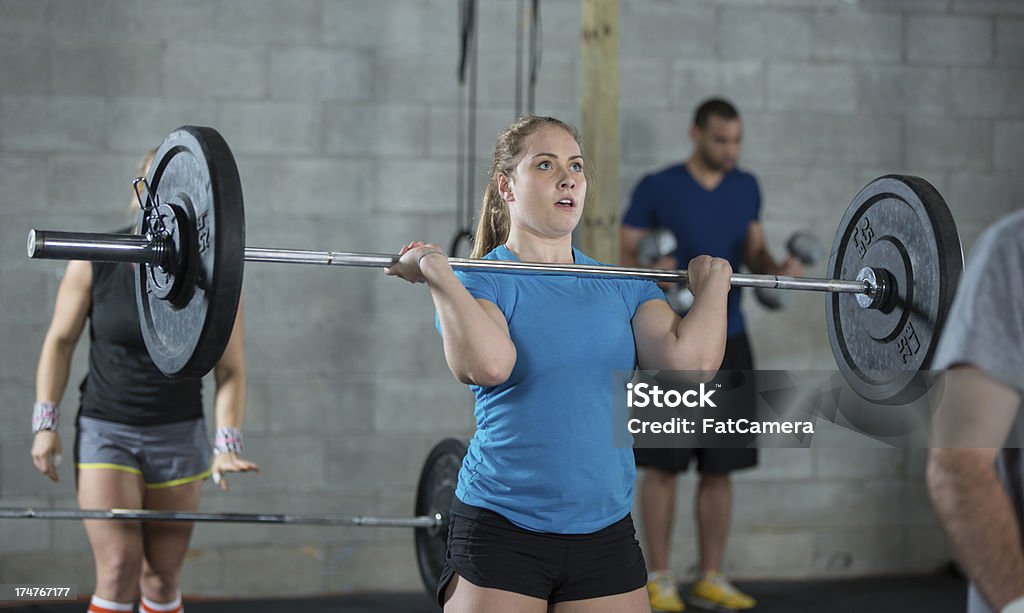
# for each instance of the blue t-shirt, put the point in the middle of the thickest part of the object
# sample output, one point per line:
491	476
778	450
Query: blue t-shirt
704	222
542	455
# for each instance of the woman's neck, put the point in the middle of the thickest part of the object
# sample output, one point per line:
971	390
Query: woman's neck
531	248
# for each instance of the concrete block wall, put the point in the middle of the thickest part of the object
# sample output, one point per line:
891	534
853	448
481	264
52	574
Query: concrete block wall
343	117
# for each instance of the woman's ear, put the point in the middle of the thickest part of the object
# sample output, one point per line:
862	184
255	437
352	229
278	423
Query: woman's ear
505	188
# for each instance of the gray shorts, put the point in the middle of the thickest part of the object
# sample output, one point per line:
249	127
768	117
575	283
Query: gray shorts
164	455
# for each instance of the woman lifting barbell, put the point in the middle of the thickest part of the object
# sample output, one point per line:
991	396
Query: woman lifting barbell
541	511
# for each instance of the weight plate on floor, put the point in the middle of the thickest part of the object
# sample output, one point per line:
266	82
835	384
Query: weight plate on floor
434	495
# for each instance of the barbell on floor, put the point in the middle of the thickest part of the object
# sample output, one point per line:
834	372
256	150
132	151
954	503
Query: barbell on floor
434	493
893	270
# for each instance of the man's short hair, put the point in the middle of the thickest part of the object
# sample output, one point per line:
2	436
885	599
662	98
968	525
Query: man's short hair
716	107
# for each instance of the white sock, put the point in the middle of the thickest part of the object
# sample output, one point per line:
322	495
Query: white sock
102	605
148	606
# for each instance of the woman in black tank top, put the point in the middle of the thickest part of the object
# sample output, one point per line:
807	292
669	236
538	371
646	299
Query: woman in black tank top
140	436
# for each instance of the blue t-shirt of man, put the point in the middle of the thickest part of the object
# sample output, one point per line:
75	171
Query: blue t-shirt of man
542	455
704	222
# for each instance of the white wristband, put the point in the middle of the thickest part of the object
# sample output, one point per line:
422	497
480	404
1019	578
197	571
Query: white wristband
1016	606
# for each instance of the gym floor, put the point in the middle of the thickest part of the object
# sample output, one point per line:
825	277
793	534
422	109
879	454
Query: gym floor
939	593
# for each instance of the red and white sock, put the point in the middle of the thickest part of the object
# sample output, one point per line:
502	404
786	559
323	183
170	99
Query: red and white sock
102	605
148	606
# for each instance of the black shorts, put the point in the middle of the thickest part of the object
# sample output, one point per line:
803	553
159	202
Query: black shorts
489	551
711	460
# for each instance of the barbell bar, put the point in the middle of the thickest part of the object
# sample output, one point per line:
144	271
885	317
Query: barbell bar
423	521
155	251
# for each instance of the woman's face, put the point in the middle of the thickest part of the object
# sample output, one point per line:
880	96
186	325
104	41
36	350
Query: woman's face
547	189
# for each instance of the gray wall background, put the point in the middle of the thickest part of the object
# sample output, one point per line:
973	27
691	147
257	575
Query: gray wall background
342	114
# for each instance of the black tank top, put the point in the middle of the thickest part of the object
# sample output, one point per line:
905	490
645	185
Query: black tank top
123	385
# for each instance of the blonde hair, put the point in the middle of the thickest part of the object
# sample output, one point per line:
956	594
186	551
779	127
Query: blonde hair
493	222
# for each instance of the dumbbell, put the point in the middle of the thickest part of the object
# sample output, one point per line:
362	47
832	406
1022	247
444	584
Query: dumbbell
806	248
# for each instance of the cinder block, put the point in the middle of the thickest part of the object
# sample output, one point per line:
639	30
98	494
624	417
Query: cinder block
907	6
26	66
215	70
431	406
852	35
770	553
203	572
824	139
407	25
257	570
654	138
812	194
754	33
861	551
24	18
988	7
271	128
950	40
269	21
1009	149
17	396
92	183
26	535
1010	42
183	21
822	504
855	463
44	567
25	187
307	189
811	87
43	124
444	131
349	568
987	92
396	176
293	463
948	144
409	78
106	69
645	83
914	91
666	30
384	461
87	20
376	130
136	125
305	73
981	198
778	464
741	81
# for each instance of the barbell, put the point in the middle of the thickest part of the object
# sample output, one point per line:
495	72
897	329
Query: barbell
894	267
434	493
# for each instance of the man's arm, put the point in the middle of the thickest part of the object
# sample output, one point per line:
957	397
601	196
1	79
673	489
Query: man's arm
965	489
758	258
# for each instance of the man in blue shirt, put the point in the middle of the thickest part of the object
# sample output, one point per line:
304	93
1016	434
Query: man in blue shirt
713	208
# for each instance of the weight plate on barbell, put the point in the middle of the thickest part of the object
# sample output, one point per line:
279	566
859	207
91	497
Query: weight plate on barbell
434	495
901	225
193	174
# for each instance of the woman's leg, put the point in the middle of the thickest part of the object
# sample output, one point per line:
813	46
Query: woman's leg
116	545
630	602
166	543
464	597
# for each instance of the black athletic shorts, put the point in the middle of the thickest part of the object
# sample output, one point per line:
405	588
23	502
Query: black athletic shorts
489	551
711	460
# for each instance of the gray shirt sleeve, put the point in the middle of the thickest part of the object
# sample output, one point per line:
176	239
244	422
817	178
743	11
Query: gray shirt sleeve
985	328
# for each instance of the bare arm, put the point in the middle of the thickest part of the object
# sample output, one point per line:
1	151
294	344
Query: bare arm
74	298
759	259
695	342
230	398
965	488
477	345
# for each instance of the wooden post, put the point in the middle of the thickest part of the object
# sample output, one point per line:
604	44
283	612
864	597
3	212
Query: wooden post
600	54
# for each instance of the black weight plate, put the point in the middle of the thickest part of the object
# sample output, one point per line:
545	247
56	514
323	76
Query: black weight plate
434	494
900	224
194	172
